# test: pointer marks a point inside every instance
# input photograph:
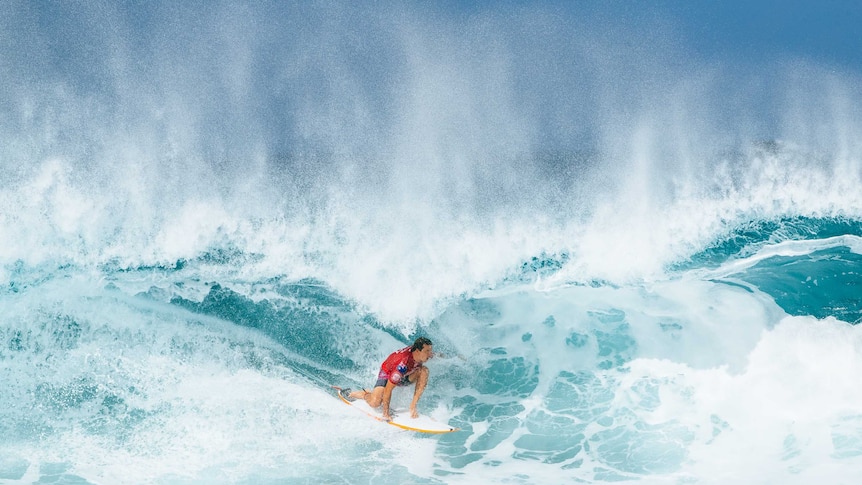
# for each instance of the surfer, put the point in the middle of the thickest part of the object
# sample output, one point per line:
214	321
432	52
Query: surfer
402	368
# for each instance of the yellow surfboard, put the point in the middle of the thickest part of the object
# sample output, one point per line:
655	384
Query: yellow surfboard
400	417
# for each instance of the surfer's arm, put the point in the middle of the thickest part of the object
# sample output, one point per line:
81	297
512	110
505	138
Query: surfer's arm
387	397
421	380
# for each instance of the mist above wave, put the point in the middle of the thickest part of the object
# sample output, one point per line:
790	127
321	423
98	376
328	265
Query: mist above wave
407	147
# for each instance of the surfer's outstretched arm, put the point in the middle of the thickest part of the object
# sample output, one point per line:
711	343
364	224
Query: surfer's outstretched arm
387	398
421	381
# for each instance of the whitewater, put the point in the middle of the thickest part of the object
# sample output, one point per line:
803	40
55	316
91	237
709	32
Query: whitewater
634	265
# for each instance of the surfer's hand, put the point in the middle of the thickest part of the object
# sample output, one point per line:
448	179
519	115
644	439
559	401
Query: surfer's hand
387	417
414	413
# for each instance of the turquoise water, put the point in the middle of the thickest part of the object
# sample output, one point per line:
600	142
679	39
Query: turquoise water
209	217
161	374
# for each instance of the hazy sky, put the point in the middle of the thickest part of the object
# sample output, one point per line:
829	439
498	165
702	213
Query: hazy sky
823	30
449	77
827	30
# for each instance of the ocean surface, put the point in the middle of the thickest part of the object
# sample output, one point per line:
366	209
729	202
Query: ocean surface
633	270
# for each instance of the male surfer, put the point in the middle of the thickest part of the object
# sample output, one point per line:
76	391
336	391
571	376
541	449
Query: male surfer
402	367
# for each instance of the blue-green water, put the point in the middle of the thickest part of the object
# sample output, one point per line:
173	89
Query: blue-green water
156	374
210	215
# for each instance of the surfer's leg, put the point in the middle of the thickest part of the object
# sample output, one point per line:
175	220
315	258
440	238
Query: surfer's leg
360	394
375	397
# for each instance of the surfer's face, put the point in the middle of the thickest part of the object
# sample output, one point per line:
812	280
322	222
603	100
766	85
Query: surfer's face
426	353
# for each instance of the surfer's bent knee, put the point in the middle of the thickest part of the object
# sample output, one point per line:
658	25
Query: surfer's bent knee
375	397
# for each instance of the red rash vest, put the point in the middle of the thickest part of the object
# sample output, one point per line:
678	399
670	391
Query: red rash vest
398	365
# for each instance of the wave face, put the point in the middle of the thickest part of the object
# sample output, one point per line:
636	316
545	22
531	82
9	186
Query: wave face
634	264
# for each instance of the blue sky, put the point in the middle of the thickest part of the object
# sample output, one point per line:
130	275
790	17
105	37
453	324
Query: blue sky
827	30
823	30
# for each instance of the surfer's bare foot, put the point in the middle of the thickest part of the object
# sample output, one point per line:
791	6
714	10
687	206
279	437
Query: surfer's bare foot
360	394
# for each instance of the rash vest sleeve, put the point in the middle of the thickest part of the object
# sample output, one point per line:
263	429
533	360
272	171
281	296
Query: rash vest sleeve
399	373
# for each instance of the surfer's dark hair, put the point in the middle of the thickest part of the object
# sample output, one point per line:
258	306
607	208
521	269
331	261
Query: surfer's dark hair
420	343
